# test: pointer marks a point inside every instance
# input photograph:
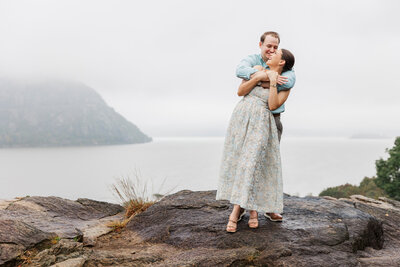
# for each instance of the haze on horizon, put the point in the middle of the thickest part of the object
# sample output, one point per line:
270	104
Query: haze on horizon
169	66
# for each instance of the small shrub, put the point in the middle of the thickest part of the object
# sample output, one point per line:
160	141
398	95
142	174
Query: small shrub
369	188
366	188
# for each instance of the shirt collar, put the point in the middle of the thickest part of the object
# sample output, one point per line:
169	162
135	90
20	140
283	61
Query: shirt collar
263	62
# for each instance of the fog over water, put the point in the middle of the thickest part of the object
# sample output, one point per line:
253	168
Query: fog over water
309	166
169	66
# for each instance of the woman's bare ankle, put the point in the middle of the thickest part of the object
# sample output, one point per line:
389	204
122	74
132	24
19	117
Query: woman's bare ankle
253	214
235	212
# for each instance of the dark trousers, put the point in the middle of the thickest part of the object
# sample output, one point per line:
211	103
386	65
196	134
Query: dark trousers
279	126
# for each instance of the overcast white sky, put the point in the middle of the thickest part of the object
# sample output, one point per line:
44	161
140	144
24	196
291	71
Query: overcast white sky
169	66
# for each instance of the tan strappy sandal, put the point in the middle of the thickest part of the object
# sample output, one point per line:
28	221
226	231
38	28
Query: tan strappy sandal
231	227
253	222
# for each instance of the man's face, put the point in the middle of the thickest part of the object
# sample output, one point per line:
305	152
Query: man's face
269	47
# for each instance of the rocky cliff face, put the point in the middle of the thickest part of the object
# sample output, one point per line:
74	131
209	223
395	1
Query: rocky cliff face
56	113
188	229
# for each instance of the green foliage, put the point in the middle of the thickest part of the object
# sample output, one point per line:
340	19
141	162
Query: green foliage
366	188
388	171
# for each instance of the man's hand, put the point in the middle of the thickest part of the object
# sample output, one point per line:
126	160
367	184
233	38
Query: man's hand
258	68
261	75
281	80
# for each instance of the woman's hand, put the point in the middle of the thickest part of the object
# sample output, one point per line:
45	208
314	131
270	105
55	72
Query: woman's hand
272	75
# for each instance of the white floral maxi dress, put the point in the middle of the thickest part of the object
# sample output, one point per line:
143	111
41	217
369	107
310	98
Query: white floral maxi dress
251	174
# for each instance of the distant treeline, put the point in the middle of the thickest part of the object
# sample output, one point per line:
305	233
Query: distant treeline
366	188
385	184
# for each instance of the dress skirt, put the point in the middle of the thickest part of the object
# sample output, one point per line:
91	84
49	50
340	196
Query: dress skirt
250	173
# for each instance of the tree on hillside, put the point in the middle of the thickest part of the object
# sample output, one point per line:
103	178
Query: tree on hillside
388	171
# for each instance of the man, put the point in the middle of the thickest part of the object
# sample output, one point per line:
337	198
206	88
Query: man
269	43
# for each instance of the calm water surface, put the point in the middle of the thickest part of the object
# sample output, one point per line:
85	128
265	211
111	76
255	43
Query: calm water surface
309	166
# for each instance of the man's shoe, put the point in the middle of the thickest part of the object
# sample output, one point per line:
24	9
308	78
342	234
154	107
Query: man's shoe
274	217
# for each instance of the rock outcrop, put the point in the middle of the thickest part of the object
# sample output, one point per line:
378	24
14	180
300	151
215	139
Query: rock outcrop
188	229
37	222
60	113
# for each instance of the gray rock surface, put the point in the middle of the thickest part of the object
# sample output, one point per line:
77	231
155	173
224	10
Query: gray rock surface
16	236
387	211
188	229
314	232
28	222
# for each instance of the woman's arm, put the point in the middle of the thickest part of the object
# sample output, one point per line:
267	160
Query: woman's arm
273	99
282	97
246	86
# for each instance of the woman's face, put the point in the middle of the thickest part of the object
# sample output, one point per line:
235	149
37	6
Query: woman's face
275	59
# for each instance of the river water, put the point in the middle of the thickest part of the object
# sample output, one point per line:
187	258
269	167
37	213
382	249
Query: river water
171	164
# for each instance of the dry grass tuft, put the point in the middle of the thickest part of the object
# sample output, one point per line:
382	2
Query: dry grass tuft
27	257
134	196
136	206
117	226
55	240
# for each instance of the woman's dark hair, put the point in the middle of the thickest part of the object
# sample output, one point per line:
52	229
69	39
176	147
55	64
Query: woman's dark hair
289	60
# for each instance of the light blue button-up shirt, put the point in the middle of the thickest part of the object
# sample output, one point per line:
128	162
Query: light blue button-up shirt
245	69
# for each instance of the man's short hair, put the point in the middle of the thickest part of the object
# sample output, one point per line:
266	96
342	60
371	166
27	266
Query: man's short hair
273	34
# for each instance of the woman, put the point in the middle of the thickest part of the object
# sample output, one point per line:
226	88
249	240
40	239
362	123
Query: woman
250	175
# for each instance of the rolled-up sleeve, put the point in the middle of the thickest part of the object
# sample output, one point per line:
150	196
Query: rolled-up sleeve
291	80
245	68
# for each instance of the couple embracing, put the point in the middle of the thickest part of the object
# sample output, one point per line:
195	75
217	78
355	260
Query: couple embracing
251	173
